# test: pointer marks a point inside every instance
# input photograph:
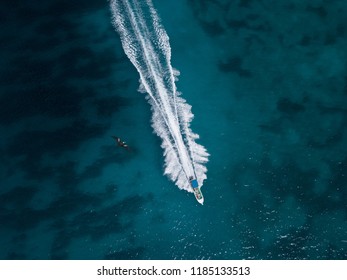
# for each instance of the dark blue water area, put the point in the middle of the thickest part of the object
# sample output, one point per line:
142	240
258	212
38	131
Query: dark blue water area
267	82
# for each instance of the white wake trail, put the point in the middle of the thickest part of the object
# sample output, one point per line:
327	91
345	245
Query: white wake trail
146	44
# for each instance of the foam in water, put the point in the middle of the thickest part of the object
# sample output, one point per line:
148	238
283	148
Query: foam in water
146	44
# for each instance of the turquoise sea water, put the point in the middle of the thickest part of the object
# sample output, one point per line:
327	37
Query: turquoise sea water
267	82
